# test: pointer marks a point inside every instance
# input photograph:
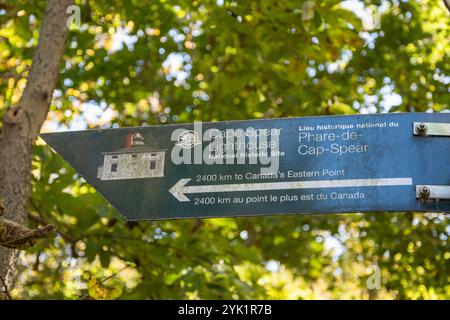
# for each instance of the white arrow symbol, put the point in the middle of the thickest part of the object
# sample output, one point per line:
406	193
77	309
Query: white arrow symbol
180	189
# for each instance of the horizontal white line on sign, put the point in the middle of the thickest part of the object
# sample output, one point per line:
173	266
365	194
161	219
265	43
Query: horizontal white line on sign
180	189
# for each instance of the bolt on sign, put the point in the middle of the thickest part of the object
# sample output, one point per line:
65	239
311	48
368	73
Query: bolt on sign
330	164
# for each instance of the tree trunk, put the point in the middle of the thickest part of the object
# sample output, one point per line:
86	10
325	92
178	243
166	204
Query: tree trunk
21	126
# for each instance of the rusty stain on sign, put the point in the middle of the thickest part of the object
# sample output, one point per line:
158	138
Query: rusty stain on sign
132	162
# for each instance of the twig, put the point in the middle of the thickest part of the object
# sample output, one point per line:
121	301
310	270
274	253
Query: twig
5	288
86	295
14	74
39	219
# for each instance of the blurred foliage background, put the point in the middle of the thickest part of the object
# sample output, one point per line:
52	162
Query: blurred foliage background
133	63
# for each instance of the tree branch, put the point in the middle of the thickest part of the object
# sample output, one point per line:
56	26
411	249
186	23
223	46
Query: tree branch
447	4
15	236
44	71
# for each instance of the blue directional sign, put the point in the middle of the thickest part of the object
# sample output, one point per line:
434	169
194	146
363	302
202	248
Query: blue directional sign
330	164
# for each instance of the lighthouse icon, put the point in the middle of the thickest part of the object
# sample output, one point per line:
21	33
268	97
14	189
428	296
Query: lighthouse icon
134	161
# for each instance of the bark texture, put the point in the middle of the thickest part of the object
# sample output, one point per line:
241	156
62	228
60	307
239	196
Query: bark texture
21	126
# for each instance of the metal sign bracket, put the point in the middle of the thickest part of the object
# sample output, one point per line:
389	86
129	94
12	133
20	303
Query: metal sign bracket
432	192
431	129
429	192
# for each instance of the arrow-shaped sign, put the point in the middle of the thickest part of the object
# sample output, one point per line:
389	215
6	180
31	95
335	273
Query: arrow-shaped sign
362	163
180	189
